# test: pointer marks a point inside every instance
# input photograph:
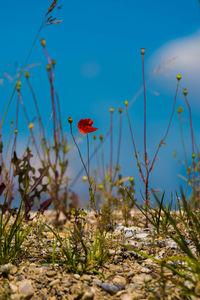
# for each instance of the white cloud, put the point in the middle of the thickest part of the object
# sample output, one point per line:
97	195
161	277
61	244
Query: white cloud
178	56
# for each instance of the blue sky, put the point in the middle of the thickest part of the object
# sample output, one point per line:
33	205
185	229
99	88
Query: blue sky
98	66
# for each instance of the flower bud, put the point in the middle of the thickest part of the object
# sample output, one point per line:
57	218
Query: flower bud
30	126
101	137
126	103
53	61
178	77
48	67
142	51
111	109
43	42
84	178
16	131
70	120
18	85
100	187
94	137
193	155
131	179
180	109
120	110
27	74
185	92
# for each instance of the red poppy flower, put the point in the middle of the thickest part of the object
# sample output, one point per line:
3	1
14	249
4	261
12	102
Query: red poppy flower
85	126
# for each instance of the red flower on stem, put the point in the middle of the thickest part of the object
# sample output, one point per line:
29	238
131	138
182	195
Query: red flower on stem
85	126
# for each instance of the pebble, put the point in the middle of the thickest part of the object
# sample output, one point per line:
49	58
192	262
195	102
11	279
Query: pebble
109	288
8	269
88	296
20	278
97	282
126	297
51	273
25	288
131	274
145	270
13	288
77	276
54	282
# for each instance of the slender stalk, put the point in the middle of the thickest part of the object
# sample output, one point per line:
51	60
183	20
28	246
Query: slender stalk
192	137
22	70
111	141
80	154
27	119
119	146
167	131
88	152
145	113
134	147
37	108
96	155
182	141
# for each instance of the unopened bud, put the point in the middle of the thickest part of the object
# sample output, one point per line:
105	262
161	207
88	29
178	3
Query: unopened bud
111	109
70	120
53	61
43	42
101	137
178	77
180	109
120	110
30	126
48	67
18	85
185	92
193	155
142	51
126	103
27	74
84	178
100	187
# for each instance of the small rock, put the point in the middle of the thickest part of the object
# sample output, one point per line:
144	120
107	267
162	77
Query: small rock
126	297
128	234
13	288
88	296
51	273
8	269
119	280
97	282
145	270
86	277
141	235
54	282
25	288
77	276
141	278
109	288
20	278
131	274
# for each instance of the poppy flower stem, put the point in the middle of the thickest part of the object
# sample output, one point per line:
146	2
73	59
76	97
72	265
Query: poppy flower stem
80	155
88	152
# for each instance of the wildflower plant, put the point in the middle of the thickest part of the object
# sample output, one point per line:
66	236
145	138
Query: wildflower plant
148	165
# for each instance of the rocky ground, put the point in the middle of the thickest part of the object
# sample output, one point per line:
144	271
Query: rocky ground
126	275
